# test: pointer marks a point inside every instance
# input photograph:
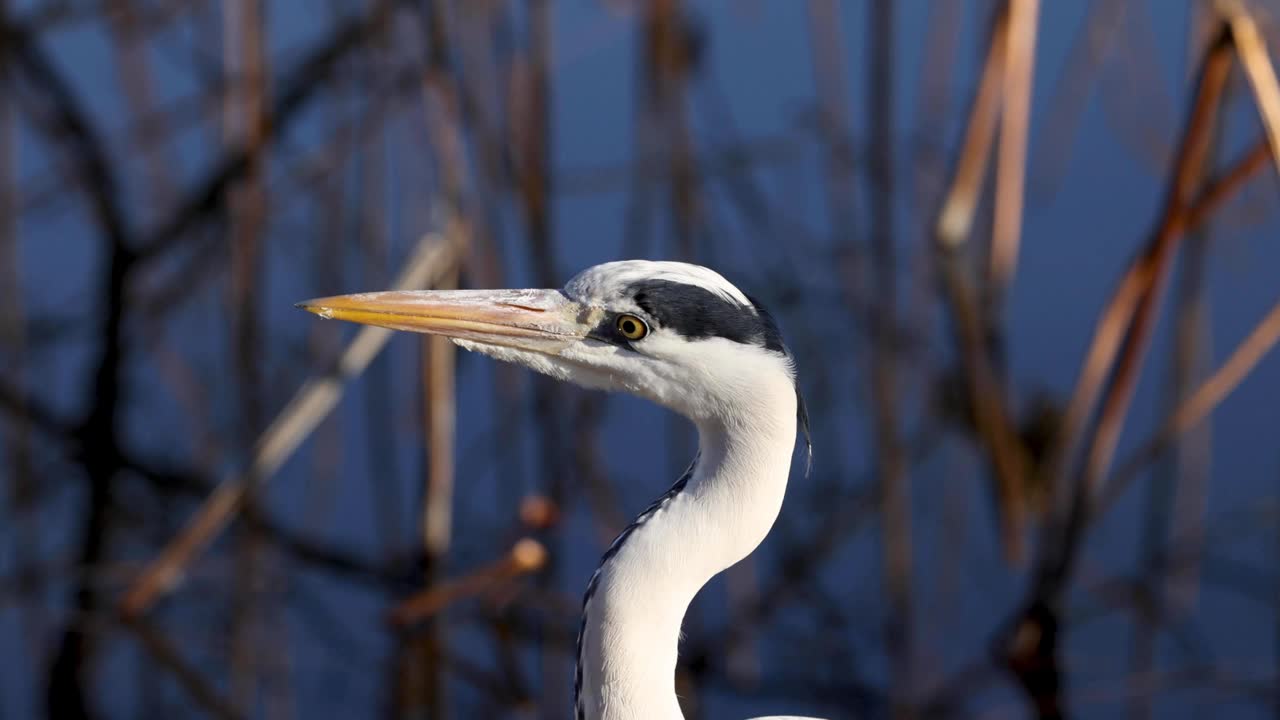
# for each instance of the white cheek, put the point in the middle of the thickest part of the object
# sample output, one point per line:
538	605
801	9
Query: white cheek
677	373
537	362
598	367
715	376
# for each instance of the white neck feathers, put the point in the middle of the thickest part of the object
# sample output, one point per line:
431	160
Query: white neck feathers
639	595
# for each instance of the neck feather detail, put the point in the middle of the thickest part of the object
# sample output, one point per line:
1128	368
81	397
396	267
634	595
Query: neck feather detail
712	517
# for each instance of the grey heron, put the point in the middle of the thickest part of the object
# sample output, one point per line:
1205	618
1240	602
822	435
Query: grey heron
681	336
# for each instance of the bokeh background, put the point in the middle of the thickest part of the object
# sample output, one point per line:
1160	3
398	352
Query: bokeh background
1014	246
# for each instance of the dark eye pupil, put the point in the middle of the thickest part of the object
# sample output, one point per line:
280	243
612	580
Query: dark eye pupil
630	327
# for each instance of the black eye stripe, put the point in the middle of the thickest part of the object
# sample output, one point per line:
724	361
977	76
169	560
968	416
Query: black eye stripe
692	312
695	312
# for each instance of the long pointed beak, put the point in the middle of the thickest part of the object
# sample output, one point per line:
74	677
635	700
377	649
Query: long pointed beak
541	320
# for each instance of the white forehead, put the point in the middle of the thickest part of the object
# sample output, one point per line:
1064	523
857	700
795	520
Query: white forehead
610	280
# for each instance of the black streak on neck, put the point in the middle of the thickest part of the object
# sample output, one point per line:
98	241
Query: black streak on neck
679	485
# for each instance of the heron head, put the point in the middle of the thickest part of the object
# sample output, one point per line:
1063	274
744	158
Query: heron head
674	333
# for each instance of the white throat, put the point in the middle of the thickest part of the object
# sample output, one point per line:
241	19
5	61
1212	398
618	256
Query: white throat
638	597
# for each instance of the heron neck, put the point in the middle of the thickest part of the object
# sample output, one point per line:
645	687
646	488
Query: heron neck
638	597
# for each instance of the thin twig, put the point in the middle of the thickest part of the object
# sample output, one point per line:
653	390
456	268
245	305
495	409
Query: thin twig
167	656
1228	185
525	557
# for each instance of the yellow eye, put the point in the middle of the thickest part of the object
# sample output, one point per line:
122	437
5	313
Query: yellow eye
631	327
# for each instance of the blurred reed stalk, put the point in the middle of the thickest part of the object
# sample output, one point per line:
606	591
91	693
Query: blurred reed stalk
134	73
313	401
535	185
1176	482
828	59
1213	198
1015	124
1092	52
1031	650
1257	67
243	124
1175	495
986	391
60	122
22	501
891	458
419	672
439	408
1188	214
164	652
380	406
1130	315
1207	396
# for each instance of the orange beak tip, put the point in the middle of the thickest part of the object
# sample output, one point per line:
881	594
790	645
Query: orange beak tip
314	307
